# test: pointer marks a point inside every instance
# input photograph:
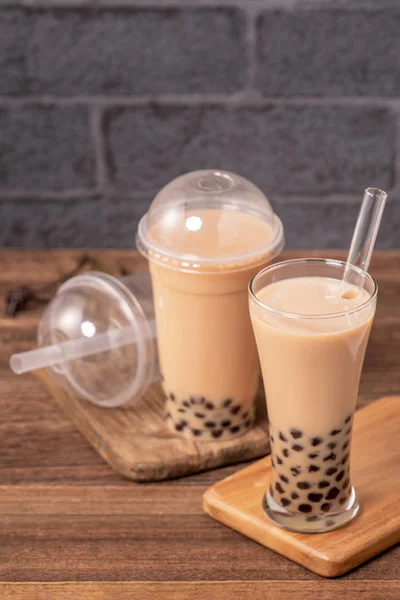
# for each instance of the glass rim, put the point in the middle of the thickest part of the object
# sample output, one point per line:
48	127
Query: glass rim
303	261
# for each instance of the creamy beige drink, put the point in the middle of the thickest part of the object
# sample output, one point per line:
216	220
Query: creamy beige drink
207	353
311	343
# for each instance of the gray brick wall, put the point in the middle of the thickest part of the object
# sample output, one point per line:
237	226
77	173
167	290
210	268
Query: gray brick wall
102	102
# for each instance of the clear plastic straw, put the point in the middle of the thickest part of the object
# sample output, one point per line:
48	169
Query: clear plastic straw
48	356
363	242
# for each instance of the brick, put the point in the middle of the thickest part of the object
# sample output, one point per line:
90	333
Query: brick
126	51
284	149
52	224
45	148
330	225
329	52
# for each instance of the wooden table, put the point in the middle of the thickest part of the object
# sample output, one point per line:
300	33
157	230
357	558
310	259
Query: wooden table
71	528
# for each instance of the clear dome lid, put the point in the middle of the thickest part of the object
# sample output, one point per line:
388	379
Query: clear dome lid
210	220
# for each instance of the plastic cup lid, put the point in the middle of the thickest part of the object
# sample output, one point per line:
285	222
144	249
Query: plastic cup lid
210	220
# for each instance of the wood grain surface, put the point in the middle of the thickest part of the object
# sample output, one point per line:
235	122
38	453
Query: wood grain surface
237	500
65	516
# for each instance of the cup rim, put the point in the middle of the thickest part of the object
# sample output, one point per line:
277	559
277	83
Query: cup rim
300	261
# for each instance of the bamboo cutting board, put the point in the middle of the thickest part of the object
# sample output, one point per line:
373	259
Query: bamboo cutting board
136	443
237	500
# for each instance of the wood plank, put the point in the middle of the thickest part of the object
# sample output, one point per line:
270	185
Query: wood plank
224	590
237	500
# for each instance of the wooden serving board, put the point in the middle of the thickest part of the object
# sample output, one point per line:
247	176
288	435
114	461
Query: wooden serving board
137	444
237	500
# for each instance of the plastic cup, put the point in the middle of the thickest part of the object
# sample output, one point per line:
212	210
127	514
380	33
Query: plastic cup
205	235
311	360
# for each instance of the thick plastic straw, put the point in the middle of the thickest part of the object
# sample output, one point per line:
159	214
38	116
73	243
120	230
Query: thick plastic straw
364	236
48	356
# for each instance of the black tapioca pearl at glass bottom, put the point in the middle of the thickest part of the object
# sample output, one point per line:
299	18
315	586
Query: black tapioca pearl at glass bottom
226	423
245	415
172	397
199	415
335	432
342	500
186	403
315	497
196	432
323	484
303	485
345	445
305	508
313	455
344	459
295	471
313	469
330	522
279	488
296	433
347	419
340	476
316	441
279	460
216	433
181	410
284	478
331	471
227	403
331	456
282	437
271	437
180	426
285	501
272	463
285	452
294	495
346	483
326	507
331	445
348	431
297	448
312	518
209	405
247	423
209	424
235	409
235	429
333	493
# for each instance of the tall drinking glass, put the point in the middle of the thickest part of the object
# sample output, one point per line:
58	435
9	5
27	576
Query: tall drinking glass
311	343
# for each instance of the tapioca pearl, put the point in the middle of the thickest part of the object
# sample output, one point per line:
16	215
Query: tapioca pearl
347	419
330	522
209	424
285	501
315	497
186	403
295	471
331	471
345	458
346	483
297	448
333	493
235	429
340	476
312	518
316	441
313	455
305	508
272	463
180	426
199	415
271	437
181	410
303	485
282	437
296	433
345	445
326	507
172	397
227	402
335	432
331	456
209	405
279	488
294	496
348	431
271	490
248	423
216	433
235	409
245	415
323	484
342	500
283	478
279	460
226	423
285	452
313	469
331	445
196	432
